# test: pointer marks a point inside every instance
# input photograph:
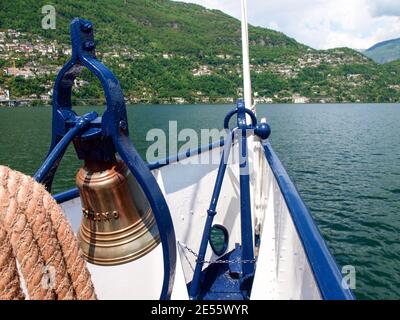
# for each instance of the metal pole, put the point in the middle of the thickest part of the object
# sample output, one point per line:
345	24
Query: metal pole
245	208
211	212
246	60
251	158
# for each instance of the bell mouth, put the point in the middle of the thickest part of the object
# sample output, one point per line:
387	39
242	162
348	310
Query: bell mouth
121	246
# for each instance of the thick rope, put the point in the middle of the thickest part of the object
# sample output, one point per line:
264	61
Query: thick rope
9	279
35	233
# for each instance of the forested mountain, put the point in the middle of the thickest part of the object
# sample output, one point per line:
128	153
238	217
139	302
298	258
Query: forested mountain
164	51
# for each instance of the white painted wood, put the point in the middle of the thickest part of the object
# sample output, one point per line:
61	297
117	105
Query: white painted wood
141	279
283	271
136	280
188	187
180	291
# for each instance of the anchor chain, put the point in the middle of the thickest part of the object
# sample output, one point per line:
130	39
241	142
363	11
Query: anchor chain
184	246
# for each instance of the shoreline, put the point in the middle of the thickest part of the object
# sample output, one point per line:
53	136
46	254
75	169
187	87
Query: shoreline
3	106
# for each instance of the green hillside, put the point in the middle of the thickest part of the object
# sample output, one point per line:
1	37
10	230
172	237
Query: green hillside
164	51
154	25
385	51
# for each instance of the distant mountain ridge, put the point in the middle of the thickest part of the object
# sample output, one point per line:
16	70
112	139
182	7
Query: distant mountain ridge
385	51
383	43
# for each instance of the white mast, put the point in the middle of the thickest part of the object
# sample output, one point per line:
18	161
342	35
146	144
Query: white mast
246	61
254	161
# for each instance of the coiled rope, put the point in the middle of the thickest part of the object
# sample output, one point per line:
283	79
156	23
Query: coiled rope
38	248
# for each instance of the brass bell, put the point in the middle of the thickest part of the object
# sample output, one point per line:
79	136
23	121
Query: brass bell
118	225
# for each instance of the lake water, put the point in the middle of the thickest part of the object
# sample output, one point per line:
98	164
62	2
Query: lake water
344	159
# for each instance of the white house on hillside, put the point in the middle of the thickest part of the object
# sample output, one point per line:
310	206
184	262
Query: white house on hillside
296	98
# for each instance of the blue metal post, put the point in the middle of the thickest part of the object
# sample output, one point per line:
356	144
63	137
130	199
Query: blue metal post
194	288
245	202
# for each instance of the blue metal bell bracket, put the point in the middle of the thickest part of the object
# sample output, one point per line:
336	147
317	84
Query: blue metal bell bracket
109	134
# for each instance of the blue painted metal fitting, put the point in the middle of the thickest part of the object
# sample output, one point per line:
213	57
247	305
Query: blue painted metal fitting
57	152
89	45
241	124
262	130
87	27
123	125
240	104
211	212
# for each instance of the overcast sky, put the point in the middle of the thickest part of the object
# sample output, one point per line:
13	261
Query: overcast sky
322	24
